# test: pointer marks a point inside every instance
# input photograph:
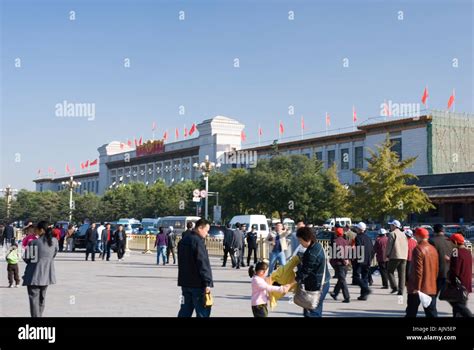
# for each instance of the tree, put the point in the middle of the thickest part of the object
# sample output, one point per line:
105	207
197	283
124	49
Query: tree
383	191
337	199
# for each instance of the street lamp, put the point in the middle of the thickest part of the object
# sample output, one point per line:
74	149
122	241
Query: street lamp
9	191
205	168
70	185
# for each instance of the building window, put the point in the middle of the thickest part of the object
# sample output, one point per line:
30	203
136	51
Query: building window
97	186
358	157
397	147
331	157
88	186
319	156
41	187
344	158
93	186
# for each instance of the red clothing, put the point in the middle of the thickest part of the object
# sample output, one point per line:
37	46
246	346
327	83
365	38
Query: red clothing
380	248
56	233
411	245
461	267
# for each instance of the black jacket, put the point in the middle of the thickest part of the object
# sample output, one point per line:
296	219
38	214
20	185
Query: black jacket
228	238
185	233
252	239
312	268
367	248
194	268
116	237
91	235
9	232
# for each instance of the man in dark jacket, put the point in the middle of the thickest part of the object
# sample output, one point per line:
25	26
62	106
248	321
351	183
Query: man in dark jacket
189	229
252	245
380	252
107	240
91	240
194	272
444	247
120	239
8	234
228	239
364	249
171	245
237	246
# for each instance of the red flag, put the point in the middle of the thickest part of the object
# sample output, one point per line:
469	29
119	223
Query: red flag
67	169
243	137
425	96
328	119
354	114
140	142
260	131
185	132
86	164
94	162
136	142
82	166
192	130
129	143
302	123
282	129
121	145
165	136
153	126
451	100
176	133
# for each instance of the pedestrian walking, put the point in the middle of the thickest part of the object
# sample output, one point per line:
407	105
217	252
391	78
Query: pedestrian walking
397	253
161	244
364	247
30	235
422	278
189	229
194	272
227	245
312	272
171	245
237	246
340	262
243	234
460	268
12	258
260	289
444	246
57	232
9	235
40	271
411	246
278	245
120	239
99	248
380	250
91	241
107	239
70	238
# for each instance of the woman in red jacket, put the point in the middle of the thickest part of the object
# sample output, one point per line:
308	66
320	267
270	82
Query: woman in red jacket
461	267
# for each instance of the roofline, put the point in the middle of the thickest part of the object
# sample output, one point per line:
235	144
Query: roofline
76	176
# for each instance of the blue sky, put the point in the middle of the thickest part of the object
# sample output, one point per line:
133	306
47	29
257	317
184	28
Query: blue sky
190	63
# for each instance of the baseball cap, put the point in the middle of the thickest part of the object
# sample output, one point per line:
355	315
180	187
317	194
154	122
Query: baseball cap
382	231
395	223
422	232
408	232
457	238
361	226
339	232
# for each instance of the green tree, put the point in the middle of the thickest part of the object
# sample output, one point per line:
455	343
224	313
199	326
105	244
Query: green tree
337	197
383	191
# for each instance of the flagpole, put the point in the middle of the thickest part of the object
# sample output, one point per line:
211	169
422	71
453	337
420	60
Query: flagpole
279	130
427	97
454	101
326	123
259	136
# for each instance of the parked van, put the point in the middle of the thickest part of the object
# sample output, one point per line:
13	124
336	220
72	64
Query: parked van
329	223
178	222
150	223
249	220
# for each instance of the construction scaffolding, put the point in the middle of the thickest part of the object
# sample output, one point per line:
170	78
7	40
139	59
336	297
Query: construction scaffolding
450	142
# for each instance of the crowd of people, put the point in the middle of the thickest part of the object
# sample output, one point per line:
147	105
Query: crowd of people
413	263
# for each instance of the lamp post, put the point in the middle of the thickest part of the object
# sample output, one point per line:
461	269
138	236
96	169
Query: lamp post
70	185
9	191
205	168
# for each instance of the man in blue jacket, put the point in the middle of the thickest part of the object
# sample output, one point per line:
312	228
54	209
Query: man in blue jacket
194	272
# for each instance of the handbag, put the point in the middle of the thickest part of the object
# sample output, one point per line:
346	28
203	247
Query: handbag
454	292
309	299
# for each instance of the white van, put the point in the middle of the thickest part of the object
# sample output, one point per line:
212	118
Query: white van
330	223
130	226
250	220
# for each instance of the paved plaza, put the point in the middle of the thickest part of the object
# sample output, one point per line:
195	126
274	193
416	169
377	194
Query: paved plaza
138	287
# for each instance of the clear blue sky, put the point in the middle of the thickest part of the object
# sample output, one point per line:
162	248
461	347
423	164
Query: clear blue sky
190	63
